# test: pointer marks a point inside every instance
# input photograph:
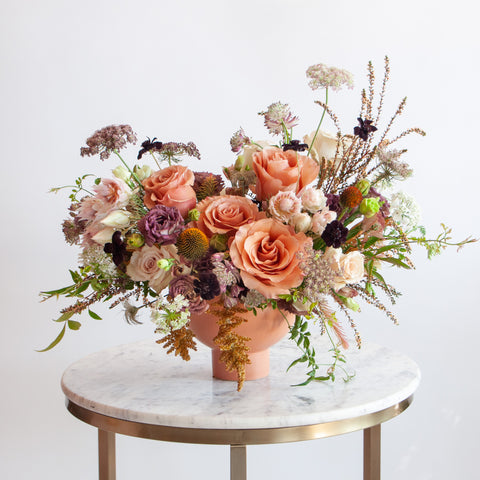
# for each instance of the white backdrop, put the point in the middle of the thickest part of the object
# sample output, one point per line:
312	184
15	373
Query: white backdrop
197	70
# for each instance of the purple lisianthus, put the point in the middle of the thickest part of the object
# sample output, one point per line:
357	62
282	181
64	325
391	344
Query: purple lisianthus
161	225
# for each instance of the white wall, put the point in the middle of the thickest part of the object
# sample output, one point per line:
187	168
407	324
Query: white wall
196	70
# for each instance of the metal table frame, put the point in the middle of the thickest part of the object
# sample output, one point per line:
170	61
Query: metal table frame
238	439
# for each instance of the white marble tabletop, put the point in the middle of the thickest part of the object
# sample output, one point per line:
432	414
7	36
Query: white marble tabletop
140	383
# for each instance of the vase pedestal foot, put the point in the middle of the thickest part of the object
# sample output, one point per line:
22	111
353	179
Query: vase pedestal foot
258	368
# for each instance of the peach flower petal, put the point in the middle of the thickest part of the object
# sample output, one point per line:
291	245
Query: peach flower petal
279	171
265	252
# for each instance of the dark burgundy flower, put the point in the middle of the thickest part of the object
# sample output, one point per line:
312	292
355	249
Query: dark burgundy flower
333	203
206	285
161	225
335	234
295	145
117	248
364	129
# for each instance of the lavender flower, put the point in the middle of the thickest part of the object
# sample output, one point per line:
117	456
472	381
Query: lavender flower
161	225
184	285
107	140
239	140
278	117
322	76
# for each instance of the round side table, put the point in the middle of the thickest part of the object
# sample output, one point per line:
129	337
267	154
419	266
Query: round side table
138	390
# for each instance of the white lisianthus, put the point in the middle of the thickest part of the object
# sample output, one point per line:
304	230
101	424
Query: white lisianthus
405	210
301	222
116	219
313	200
142	172
104	236
122	173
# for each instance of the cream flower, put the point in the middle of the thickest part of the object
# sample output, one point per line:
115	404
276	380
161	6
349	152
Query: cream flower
325	146
321	219
347	269
313	200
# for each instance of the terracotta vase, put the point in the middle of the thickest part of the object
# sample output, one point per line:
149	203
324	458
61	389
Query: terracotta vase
265	329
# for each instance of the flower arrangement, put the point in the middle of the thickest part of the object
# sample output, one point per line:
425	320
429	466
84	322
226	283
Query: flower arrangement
303	226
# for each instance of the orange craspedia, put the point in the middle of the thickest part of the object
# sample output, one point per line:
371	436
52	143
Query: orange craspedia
192	243
351	197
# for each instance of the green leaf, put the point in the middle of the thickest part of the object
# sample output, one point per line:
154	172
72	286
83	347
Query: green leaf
75	276
395	261
94	315
56	341
64	317
370	242
74	325
298	360
97	181
81	288
57	292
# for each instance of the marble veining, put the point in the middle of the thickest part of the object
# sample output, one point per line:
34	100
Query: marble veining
139	382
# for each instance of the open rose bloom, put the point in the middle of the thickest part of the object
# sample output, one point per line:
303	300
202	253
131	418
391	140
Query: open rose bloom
299	224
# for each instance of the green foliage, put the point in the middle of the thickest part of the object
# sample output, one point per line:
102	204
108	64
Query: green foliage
77	188
300	334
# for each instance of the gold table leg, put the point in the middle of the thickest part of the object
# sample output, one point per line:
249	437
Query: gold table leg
106	455
371	453
238	462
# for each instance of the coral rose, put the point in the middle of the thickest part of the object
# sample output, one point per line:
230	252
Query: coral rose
172	187
226	214
279	171
265	252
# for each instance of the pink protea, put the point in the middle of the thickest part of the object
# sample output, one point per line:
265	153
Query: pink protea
284	205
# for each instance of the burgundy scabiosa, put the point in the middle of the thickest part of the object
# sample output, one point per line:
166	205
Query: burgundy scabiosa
206	285
333	203
161	225
335	234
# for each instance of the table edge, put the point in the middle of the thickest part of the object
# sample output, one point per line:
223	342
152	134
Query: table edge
237	436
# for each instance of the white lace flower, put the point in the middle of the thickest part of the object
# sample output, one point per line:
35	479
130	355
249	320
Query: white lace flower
169	316
404	210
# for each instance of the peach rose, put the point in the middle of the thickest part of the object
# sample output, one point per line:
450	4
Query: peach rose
265	253
347	268
279	171
172	187
226	214
143	266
